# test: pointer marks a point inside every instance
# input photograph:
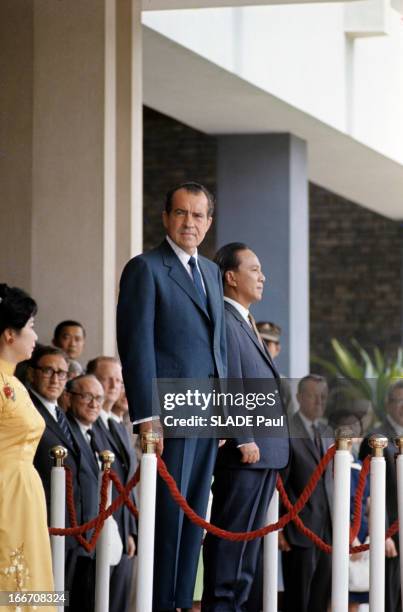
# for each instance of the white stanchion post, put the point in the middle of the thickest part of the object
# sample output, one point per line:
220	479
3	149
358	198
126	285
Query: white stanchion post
102	563
146	526
58	516
377	525
341	523
270	558
399	474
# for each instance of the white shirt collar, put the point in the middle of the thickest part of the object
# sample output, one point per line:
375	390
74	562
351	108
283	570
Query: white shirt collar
50	406
398	428
180	253
115	417
244	312
83	428
308	424
184	259
105	416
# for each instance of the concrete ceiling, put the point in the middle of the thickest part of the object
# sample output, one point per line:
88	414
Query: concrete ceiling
183	85
166	5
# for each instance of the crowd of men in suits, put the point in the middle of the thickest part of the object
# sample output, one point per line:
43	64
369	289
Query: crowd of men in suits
85	413
182	316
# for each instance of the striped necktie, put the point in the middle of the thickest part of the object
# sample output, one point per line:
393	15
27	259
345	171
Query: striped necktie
197	279
93	443
317	439
255	329
64	426
117	436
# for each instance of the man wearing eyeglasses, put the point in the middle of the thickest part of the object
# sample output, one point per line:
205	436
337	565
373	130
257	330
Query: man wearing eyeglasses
47	375
85	396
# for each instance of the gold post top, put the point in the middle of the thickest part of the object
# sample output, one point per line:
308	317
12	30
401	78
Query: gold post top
378	443
58	454
343	437
107	458
149	440
399	444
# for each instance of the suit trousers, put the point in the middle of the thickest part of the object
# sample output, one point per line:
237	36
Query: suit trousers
307	579
177	540
240	501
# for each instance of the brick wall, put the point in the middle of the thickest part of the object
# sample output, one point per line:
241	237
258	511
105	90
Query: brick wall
355	274
355	254
173	153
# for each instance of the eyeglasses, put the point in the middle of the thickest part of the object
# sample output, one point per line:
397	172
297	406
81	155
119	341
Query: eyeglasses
50	372
88	397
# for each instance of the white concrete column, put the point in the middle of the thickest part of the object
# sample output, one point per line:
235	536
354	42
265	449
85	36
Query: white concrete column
129	221
264	178
87	161
16	78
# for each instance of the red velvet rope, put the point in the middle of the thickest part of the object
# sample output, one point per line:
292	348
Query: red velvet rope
257	533
291	515
104	512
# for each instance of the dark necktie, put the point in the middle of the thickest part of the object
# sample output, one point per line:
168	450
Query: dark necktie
317	439
93	443
255	329
197	279
64	426
117	436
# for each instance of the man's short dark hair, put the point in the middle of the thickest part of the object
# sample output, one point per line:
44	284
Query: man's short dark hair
227	259
16	308
92	365
42	350
314	377
69	323
191	187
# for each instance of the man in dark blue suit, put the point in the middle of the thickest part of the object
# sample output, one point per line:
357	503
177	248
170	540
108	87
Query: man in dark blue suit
170	324
84	399
246	468
47	373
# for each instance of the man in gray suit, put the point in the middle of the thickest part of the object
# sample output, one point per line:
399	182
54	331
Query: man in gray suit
246	468
306	569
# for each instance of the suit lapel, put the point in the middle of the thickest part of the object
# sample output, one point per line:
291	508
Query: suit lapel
51	423
178	274
83	445
107	435
247	329
306	440
210	282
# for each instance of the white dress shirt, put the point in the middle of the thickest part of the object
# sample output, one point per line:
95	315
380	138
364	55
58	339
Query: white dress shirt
244	312
184	257
50	406
308	425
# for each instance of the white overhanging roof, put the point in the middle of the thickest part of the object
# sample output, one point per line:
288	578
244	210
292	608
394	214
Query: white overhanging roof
187	87
161	5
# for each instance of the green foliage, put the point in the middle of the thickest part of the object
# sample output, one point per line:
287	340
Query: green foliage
370	376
